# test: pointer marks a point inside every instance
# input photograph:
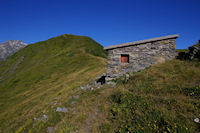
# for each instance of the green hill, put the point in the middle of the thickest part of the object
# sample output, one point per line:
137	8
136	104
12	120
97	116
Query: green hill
40	92
35	76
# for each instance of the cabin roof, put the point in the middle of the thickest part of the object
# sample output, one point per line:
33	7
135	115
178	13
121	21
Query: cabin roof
141	41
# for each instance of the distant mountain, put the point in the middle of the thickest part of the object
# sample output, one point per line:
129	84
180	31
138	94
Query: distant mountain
10	47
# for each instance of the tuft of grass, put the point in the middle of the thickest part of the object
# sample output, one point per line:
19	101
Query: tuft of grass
193	92
182	50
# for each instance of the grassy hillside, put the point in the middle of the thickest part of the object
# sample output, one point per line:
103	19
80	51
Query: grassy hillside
162	98
34	77
46	77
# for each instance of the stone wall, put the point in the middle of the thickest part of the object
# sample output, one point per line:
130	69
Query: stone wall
140	56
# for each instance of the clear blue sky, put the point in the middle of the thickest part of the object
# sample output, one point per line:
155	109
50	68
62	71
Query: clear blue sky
108	22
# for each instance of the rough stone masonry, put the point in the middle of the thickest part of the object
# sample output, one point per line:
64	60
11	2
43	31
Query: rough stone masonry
135	56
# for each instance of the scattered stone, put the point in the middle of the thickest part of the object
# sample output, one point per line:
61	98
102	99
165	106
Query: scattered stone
36	119
54	103
82	88
112	87
49	129
108	78
88	86
73	102
96	84
85	87
73	110
56	98
59	109
44	118
127	76
96	113
93	85
110	83
76	97
197	120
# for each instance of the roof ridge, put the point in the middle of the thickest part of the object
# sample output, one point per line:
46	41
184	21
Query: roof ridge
141	41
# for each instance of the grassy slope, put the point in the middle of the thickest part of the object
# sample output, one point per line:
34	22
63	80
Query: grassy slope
35	76
162	98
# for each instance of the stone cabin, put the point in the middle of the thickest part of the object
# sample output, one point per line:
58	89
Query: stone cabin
134	56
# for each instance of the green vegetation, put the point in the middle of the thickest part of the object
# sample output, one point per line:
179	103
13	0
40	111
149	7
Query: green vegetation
46	75
182	50
162	98
34	77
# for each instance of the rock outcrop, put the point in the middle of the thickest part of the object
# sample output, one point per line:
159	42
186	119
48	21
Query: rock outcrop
193	53
10	47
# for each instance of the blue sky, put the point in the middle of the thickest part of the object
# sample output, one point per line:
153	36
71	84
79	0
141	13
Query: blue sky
108	22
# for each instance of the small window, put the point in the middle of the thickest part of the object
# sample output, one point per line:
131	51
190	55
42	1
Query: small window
124	58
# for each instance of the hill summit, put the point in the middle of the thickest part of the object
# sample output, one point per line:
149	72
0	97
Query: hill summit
44	71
